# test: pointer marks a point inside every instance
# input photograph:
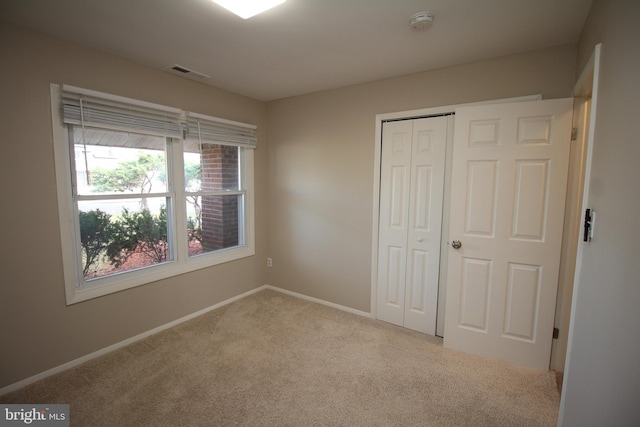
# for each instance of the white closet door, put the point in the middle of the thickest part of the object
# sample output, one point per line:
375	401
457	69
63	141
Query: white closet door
411	192
425	223
395	180
507	209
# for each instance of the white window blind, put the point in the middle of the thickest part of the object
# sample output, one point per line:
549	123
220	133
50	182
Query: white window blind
98	110
203	128
93	109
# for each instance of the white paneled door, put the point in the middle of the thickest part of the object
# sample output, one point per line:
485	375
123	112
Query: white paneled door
508	188
411	191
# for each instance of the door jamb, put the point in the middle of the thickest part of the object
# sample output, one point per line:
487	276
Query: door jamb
584	93
586	87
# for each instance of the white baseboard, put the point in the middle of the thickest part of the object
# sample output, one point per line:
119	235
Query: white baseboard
319	301
103	351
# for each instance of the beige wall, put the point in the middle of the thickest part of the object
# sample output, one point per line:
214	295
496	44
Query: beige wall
37	330
314	183
602	378
321	156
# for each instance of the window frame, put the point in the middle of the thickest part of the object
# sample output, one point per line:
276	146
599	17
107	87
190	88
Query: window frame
76	288
240	191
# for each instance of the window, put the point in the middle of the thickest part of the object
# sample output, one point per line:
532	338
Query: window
147	192
215	197
123	205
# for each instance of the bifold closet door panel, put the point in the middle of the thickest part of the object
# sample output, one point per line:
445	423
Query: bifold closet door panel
411	192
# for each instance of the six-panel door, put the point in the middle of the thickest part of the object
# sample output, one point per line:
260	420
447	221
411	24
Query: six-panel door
508	187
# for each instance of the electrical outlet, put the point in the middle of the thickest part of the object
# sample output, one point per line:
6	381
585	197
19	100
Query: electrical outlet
269	262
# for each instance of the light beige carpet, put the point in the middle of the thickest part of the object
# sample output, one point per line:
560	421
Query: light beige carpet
274	360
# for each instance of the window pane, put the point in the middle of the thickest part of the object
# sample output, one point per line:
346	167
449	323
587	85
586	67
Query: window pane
211	167
214	223
122	235
109	162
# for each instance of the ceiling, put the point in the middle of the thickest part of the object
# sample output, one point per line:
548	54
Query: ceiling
303	46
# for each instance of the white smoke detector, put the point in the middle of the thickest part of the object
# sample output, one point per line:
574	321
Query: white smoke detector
421	20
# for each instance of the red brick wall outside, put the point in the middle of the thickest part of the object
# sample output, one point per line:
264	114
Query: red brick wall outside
219	171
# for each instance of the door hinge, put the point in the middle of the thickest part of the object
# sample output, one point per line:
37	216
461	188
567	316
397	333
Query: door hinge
574	134
556	333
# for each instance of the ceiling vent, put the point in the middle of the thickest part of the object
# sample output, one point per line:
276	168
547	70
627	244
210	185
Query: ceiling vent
186	72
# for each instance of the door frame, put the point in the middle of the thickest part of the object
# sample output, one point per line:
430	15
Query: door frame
585	93
586	87
406	115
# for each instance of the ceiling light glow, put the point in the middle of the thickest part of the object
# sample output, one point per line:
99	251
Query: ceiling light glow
248	8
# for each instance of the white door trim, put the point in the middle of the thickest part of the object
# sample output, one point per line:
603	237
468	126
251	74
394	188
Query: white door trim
586	87
380	118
